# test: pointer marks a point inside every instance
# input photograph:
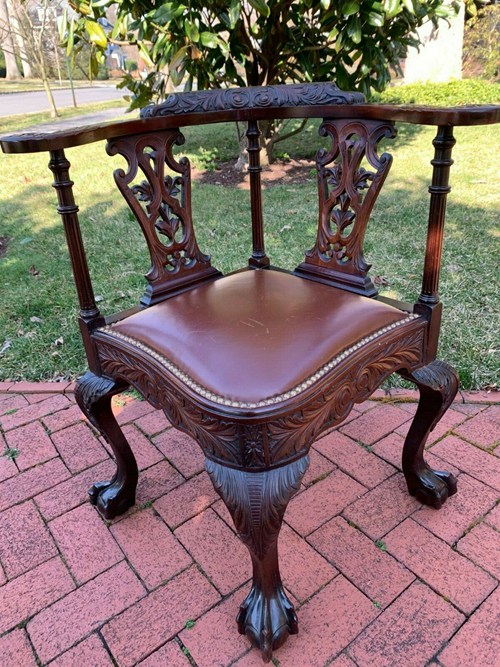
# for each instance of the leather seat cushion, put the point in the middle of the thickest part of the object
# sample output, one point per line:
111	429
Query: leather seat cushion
256	334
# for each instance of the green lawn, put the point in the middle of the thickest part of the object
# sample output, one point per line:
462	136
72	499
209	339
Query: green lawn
49	346
28	85
12	124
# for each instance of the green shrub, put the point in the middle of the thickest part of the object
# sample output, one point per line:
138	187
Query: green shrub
453	93
481	44
131	65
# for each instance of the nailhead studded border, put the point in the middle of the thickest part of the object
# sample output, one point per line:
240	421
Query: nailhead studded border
206	393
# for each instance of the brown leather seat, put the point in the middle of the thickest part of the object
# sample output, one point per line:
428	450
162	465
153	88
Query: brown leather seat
254	336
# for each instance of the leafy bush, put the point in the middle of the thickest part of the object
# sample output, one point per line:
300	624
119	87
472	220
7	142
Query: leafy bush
467	91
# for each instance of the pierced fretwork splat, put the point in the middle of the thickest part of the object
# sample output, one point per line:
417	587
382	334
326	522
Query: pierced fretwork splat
162	205
347	193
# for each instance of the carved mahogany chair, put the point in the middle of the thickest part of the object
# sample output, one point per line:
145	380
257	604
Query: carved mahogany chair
256	364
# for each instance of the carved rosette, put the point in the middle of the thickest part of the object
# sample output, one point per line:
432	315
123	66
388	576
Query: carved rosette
274	436
347	193
161	203
255	97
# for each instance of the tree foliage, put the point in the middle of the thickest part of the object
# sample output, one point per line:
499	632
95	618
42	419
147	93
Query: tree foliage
216	43
481	43
212	43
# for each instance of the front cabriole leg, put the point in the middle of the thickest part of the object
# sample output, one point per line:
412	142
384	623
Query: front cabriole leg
93	394
438	385
257	502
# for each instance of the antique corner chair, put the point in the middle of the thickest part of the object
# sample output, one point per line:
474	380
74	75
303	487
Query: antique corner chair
256	364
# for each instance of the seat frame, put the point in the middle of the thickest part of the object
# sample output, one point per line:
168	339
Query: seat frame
257	454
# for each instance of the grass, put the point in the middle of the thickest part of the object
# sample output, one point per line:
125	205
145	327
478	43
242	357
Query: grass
49	347
28	85
12	124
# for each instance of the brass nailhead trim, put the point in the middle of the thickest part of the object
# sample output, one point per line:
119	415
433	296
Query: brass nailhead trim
215	398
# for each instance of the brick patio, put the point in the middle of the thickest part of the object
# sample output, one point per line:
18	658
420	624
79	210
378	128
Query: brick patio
377	579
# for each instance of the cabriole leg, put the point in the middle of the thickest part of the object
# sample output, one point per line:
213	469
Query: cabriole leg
257	502
438	385
93	394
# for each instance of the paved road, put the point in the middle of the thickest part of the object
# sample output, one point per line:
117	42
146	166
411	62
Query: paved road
18	103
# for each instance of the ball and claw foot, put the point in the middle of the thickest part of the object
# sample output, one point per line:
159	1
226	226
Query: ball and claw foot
432	487
111	498
267	621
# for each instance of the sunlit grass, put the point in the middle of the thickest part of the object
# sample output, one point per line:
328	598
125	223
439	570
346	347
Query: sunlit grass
27	85
12	124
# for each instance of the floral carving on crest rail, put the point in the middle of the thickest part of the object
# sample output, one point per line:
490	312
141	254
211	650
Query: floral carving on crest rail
294	95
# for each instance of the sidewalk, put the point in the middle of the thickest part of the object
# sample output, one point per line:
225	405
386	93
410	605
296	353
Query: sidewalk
377	579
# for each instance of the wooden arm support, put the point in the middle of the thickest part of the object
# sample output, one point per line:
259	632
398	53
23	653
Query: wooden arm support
38	142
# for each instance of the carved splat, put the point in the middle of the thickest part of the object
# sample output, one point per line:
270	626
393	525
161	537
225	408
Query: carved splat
161	202
347	192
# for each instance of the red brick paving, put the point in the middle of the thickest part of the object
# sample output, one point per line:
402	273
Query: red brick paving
12	404
150	548
354	459
76	590
7	466
322	501
482	546
31	412
377	574
211	543
372	426
69	620
449	573
483	430
25	541
63	418
32	443
145	452
79	447
89	652
26	595
169	655
470	459
382	508
493	518
187	500
182	451
409	632
15	649
164	613
77	533
453	519
478	641
32	482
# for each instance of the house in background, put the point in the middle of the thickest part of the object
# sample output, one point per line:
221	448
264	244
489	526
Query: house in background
439	58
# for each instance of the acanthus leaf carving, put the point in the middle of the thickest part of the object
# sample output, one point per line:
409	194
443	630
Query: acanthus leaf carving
257	500
301	94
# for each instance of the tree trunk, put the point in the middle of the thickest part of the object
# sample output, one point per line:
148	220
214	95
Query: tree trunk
12	70
20	40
